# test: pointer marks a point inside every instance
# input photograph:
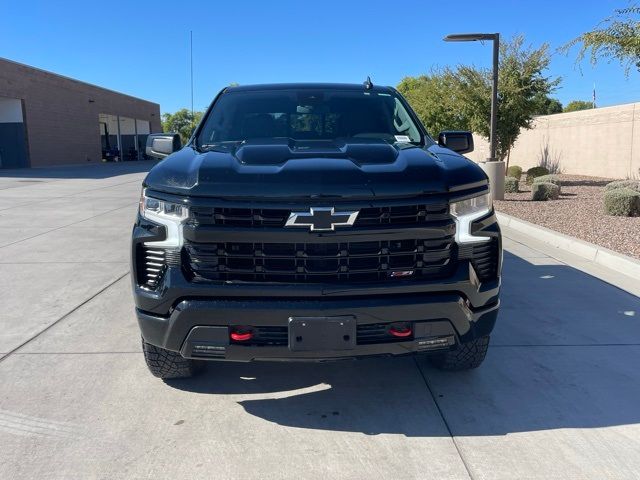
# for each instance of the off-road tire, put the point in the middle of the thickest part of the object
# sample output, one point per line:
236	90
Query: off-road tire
166	364
465	357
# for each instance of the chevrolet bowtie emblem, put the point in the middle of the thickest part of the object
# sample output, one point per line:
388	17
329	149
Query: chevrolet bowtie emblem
321	218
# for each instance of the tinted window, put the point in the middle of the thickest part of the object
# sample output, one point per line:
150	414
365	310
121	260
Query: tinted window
308	115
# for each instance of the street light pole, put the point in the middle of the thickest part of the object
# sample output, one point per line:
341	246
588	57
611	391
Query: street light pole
494	98
492	167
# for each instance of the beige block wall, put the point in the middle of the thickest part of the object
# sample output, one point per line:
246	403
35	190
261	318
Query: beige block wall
602	142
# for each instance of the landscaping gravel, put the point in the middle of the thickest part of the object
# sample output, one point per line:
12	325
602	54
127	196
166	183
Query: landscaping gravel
578	212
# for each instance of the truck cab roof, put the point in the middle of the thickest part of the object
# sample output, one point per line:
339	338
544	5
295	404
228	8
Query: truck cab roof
308	86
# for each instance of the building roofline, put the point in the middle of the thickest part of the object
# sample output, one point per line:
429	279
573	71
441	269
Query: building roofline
76	80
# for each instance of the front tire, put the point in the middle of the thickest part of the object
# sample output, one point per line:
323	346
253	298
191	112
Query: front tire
466	356
166	364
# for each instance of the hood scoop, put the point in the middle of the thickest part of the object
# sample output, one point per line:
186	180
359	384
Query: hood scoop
267	152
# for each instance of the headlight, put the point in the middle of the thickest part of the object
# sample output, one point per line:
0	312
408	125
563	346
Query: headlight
465	212
169	214
152	209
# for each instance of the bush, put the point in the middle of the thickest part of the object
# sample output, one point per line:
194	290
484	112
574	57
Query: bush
514	171
511	184
622	202
555	179
544	191
632	184
535	172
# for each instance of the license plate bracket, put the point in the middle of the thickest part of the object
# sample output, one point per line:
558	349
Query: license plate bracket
322	333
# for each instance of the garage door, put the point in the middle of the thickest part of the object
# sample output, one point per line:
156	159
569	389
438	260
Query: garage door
13	140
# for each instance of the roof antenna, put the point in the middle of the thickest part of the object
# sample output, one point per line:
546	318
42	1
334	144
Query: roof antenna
367	83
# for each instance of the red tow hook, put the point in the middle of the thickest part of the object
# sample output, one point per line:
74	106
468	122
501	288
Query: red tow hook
241	335
400	331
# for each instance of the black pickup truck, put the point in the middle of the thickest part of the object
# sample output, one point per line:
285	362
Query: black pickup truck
314	222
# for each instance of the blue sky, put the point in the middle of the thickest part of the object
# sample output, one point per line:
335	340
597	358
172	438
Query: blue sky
142	48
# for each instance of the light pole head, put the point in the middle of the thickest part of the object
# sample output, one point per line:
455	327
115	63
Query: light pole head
470	37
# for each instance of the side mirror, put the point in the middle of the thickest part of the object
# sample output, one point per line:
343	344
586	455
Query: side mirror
458	141
161	145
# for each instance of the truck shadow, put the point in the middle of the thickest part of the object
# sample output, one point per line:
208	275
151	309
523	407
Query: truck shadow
90	171
564	355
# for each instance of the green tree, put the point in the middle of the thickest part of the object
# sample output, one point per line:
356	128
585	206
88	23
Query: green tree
461	98
547	105
616	37
181	122
521	83
433	98
575	105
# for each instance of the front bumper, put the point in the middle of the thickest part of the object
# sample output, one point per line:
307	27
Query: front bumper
196	319
438	321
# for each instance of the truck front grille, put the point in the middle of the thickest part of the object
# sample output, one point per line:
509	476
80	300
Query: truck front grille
412	214
403	214
238	217
320	262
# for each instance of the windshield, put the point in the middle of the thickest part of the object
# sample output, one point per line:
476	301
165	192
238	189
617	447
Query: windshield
306	114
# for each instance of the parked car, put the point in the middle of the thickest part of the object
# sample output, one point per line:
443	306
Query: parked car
110	154
314	222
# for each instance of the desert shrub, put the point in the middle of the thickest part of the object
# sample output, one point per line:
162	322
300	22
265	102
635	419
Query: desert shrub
534	172
514	171
544	191
632	184
511	184
555	179
622	202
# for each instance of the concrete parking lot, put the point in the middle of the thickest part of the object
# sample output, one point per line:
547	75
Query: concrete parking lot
558	396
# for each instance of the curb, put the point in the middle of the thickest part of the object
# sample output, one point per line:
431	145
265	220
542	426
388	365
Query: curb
589	251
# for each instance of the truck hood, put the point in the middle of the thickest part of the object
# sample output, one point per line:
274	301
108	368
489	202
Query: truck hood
286	169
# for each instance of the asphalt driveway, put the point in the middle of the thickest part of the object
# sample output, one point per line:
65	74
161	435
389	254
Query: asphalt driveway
558	396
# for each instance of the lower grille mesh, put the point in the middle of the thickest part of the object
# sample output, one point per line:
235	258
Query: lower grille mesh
271	336
279	336
377	333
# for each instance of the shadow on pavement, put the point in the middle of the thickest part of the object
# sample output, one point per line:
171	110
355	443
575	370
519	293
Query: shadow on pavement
565	354
93	171
371	396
